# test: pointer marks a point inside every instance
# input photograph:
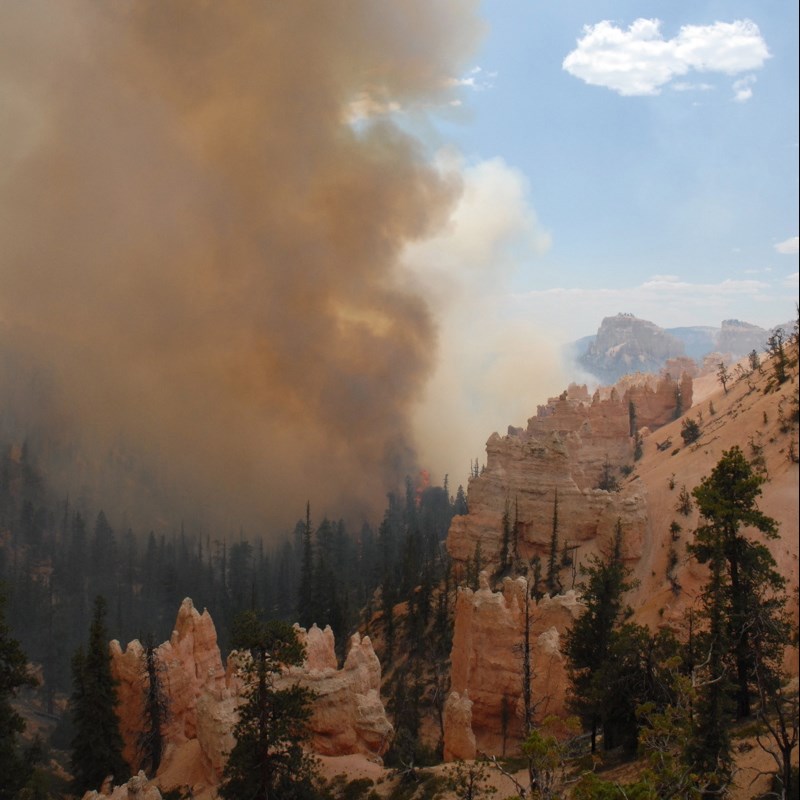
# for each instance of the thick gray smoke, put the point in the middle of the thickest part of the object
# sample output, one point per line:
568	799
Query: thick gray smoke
200	250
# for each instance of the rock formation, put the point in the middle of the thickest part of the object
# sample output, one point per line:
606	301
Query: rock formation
348	715
200	703
562	450
738	338
566	452
626	344
137	788
485	711
568	448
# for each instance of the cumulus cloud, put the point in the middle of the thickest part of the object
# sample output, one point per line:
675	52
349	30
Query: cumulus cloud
789	246
743	88
640	61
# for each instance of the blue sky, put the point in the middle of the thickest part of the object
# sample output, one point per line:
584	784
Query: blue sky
616	157
696	181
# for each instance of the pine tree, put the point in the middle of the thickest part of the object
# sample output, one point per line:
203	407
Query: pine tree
15	767
777	353
633	425
155	710
744	608
553	583
306	590
751	586
589	641
97	745
723	376
505	540
268	761
460	506
709	748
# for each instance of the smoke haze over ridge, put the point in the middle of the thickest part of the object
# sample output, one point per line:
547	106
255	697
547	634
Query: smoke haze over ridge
200	253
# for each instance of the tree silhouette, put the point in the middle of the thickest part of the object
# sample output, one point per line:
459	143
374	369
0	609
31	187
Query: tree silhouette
97	745
15	767
268	760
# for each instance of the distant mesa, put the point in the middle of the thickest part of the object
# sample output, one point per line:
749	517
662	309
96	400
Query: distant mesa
625	344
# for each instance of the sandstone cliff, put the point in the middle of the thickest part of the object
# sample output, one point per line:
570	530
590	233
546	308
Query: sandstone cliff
572	443
485	710
348	715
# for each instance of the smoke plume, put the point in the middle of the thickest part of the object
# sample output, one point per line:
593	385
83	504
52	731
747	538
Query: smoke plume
200	270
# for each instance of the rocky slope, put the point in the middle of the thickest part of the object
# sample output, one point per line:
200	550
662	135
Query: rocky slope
567	450
561	450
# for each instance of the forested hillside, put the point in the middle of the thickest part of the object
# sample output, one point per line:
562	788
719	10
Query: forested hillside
54	560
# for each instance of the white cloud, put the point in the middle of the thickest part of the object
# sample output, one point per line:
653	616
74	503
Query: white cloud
789	246
639	61
743	88
477	79
792	281
686	86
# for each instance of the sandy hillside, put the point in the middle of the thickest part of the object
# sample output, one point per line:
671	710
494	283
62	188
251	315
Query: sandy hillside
748	417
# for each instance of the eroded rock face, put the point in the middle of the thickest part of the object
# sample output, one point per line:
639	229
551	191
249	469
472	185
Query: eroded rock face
485	711
566	450
550	471
191	669
625	344
348	715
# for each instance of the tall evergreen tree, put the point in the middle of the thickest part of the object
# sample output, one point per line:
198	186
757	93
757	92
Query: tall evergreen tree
751	586
268	761
97	744
305	598
589	641
155	710
15	768
743	601
553	583
505	540
460	506
709	748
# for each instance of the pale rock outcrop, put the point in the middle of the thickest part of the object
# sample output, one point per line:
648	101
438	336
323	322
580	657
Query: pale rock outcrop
459	738
739	338
487	665
349	716
191	669
624	343
565	451
137	788
347	713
